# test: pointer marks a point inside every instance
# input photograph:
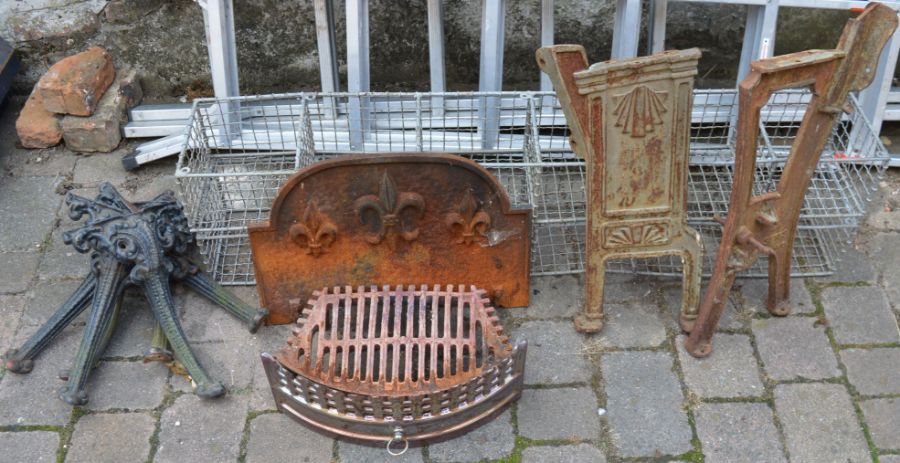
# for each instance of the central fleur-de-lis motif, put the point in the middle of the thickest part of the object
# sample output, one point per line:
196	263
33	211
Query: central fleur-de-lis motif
639	110
470	218
316	232
387	208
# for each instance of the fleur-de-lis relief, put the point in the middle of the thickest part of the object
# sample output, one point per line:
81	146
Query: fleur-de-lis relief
639	110
387	208
470	218
316	232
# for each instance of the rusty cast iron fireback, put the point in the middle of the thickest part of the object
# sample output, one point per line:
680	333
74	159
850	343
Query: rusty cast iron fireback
393	219
767	223
396	364
630	121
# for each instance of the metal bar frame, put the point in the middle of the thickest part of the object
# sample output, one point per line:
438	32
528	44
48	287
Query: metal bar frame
358	68
436	54
547	31
627	18
490	78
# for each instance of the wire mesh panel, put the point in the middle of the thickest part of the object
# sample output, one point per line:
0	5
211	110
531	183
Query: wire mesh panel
240	150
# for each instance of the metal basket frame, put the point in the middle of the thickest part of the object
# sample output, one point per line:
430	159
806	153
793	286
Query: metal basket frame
238	151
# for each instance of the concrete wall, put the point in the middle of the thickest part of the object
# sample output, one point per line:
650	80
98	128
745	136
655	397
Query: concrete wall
164	40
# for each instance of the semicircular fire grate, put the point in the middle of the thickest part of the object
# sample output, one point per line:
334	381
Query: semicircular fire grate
412	363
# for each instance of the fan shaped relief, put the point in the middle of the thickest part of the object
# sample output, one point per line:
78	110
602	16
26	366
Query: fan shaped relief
640	110
629	235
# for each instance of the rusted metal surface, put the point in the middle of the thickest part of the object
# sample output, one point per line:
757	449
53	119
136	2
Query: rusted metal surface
390	219
766	224
630	121
405	363
146	244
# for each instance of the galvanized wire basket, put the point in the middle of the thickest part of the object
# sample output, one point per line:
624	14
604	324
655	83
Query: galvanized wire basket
238	151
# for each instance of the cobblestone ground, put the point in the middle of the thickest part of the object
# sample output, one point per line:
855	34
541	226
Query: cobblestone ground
821	385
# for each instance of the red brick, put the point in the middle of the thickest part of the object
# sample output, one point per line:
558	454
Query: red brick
75	85
37	127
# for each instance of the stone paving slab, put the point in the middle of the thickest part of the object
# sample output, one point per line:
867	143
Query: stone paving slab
754	292
267	339
46	298
554	296
850	265
50	162
31	399
552	344
819	423
883	418
352	453
230	363
27	209
206	430
873	371
733	317
111	437
153	179
641	388
11	307
884	254
134	329
794	348
31	446
62	261
126	385
16	270
885	220
889	458
860	315
93	170
738	432
204	321
275	437
730	372
489	441
628	288
581	453
558	413
635	324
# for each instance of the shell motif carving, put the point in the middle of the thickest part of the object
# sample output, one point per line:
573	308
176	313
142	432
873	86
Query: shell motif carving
387	208
640	110
315	232
470	219
648	234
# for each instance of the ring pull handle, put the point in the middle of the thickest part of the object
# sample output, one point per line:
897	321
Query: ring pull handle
398	438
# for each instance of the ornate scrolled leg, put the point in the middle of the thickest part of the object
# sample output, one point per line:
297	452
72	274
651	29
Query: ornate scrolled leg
202	284
104	340
21	360
111	277
156	288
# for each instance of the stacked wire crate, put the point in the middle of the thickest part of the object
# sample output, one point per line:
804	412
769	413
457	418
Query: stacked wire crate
238	151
